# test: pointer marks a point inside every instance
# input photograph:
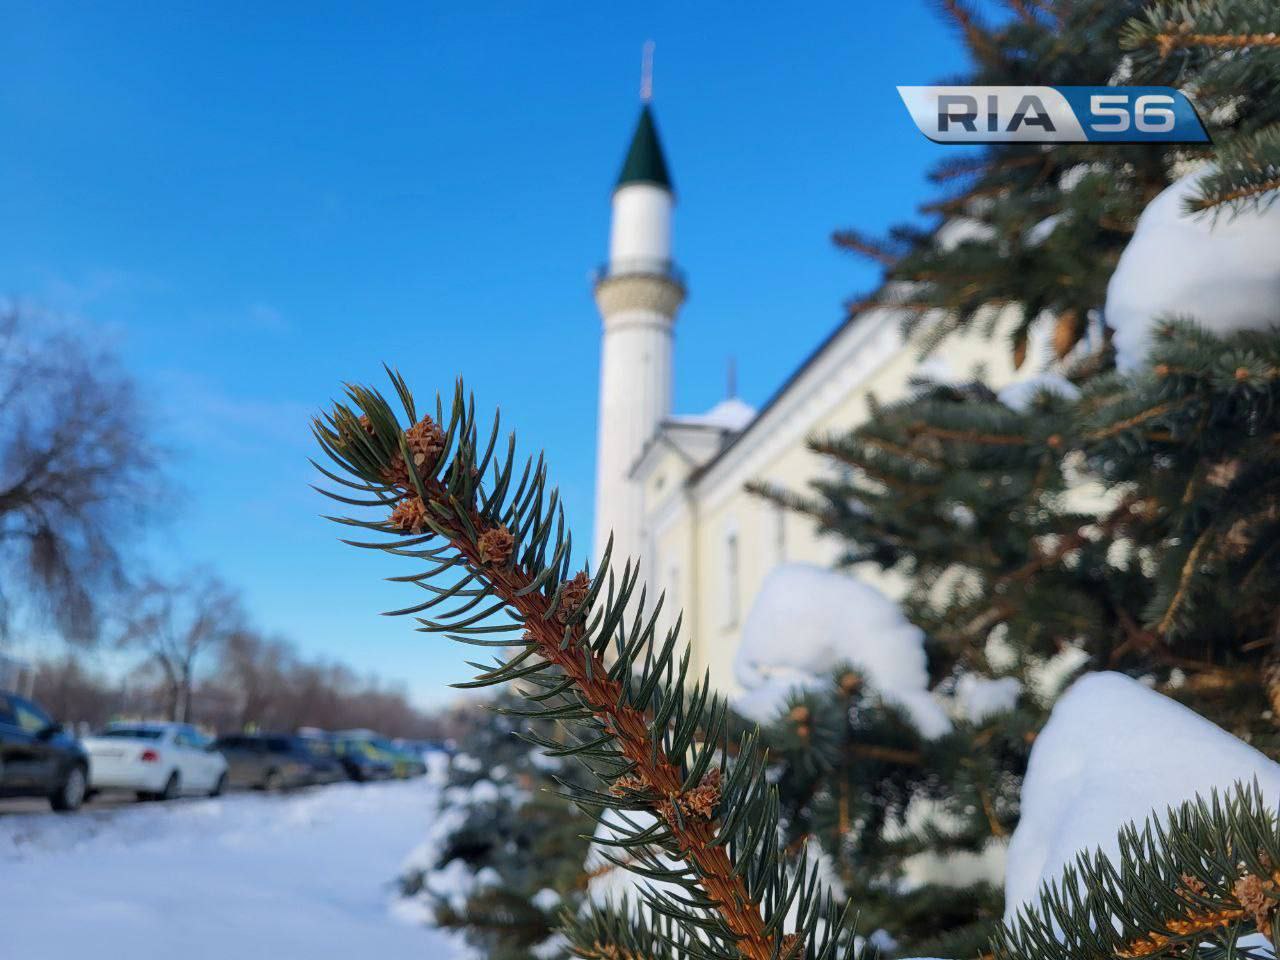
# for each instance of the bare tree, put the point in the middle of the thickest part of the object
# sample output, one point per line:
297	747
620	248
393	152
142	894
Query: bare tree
74	693
174	624
77	475
255	669
250	681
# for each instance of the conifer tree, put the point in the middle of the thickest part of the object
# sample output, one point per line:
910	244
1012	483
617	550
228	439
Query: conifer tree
521	844
1130	518
1033	233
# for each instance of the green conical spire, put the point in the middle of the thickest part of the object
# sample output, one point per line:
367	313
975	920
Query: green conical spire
645	162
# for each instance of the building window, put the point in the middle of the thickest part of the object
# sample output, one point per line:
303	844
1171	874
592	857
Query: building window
731	586
672	603
779	534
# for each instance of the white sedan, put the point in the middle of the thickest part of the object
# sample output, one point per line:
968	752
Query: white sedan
157	761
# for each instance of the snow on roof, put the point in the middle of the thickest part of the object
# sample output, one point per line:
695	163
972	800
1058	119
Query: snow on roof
807	621
1115	751
730	414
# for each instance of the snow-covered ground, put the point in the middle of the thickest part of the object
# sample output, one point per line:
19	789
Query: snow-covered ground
308	875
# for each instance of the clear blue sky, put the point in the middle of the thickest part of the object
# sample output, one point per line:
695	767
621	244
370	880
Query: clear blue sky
252	203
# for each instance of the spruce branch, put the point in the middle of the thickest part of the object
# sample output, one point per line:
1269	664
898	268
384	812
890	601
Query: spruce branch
1246	173
1170	26
977	36
500	563
1192	884
614	934
1229	50
884	252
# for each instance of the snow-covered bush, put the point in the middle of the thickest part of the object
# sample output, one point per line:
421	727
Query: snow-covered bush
505	854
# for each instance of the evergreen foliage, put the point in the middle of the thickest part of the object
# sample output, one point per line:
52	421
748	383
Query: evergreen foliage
1161	559
499	574
1034	232
1228	53
1162	562
1132	526
849	767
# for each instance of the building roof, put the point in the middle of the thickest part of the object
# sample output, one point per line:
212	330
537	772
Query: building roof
728	414
808	362
645	162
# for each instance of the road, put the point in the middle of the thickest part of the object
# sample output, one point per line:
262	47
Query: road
105	801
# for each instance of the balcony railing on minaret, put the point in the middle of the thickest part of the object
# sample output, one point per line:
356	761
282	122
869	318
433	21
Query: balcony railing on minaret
639	267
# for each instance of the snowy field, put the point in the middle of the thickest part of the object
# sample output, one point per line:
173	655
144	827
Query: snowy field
306	875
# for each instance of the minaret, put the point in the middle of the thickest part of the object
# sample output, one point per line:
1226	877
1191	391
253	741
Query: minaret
638	293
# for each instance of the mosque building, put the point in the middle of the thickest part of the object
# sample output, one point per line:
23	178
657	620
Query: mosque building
670	486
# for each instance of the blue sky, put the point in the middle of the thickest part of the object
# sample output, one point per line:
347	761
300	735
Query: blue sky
252	203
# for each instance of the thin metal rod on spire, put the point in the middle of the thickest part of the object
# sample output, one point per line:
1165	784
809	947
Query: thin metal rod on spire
731	386
646	72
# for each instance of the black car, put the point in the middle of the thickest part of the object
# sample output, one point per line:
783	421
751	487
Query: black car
38	758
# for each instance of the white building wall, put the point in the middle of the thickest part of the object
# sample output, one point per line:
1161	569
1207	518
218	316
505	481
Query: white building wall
716	518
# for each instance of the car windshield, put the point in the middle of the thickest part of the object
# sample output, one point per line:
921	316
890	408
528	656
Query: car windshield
133	733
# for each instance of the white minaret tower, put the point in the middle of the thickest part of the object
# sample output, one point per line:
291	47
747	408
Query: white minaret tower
638	292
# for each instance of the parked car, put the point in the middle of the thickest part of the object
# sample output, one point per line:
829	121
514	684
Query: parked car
320	753
39	758
266	761
409	761
362	761
402	764
157	761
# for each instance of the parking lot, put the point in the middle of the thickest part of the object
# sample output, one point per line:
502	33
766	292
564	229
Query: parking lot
308	872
